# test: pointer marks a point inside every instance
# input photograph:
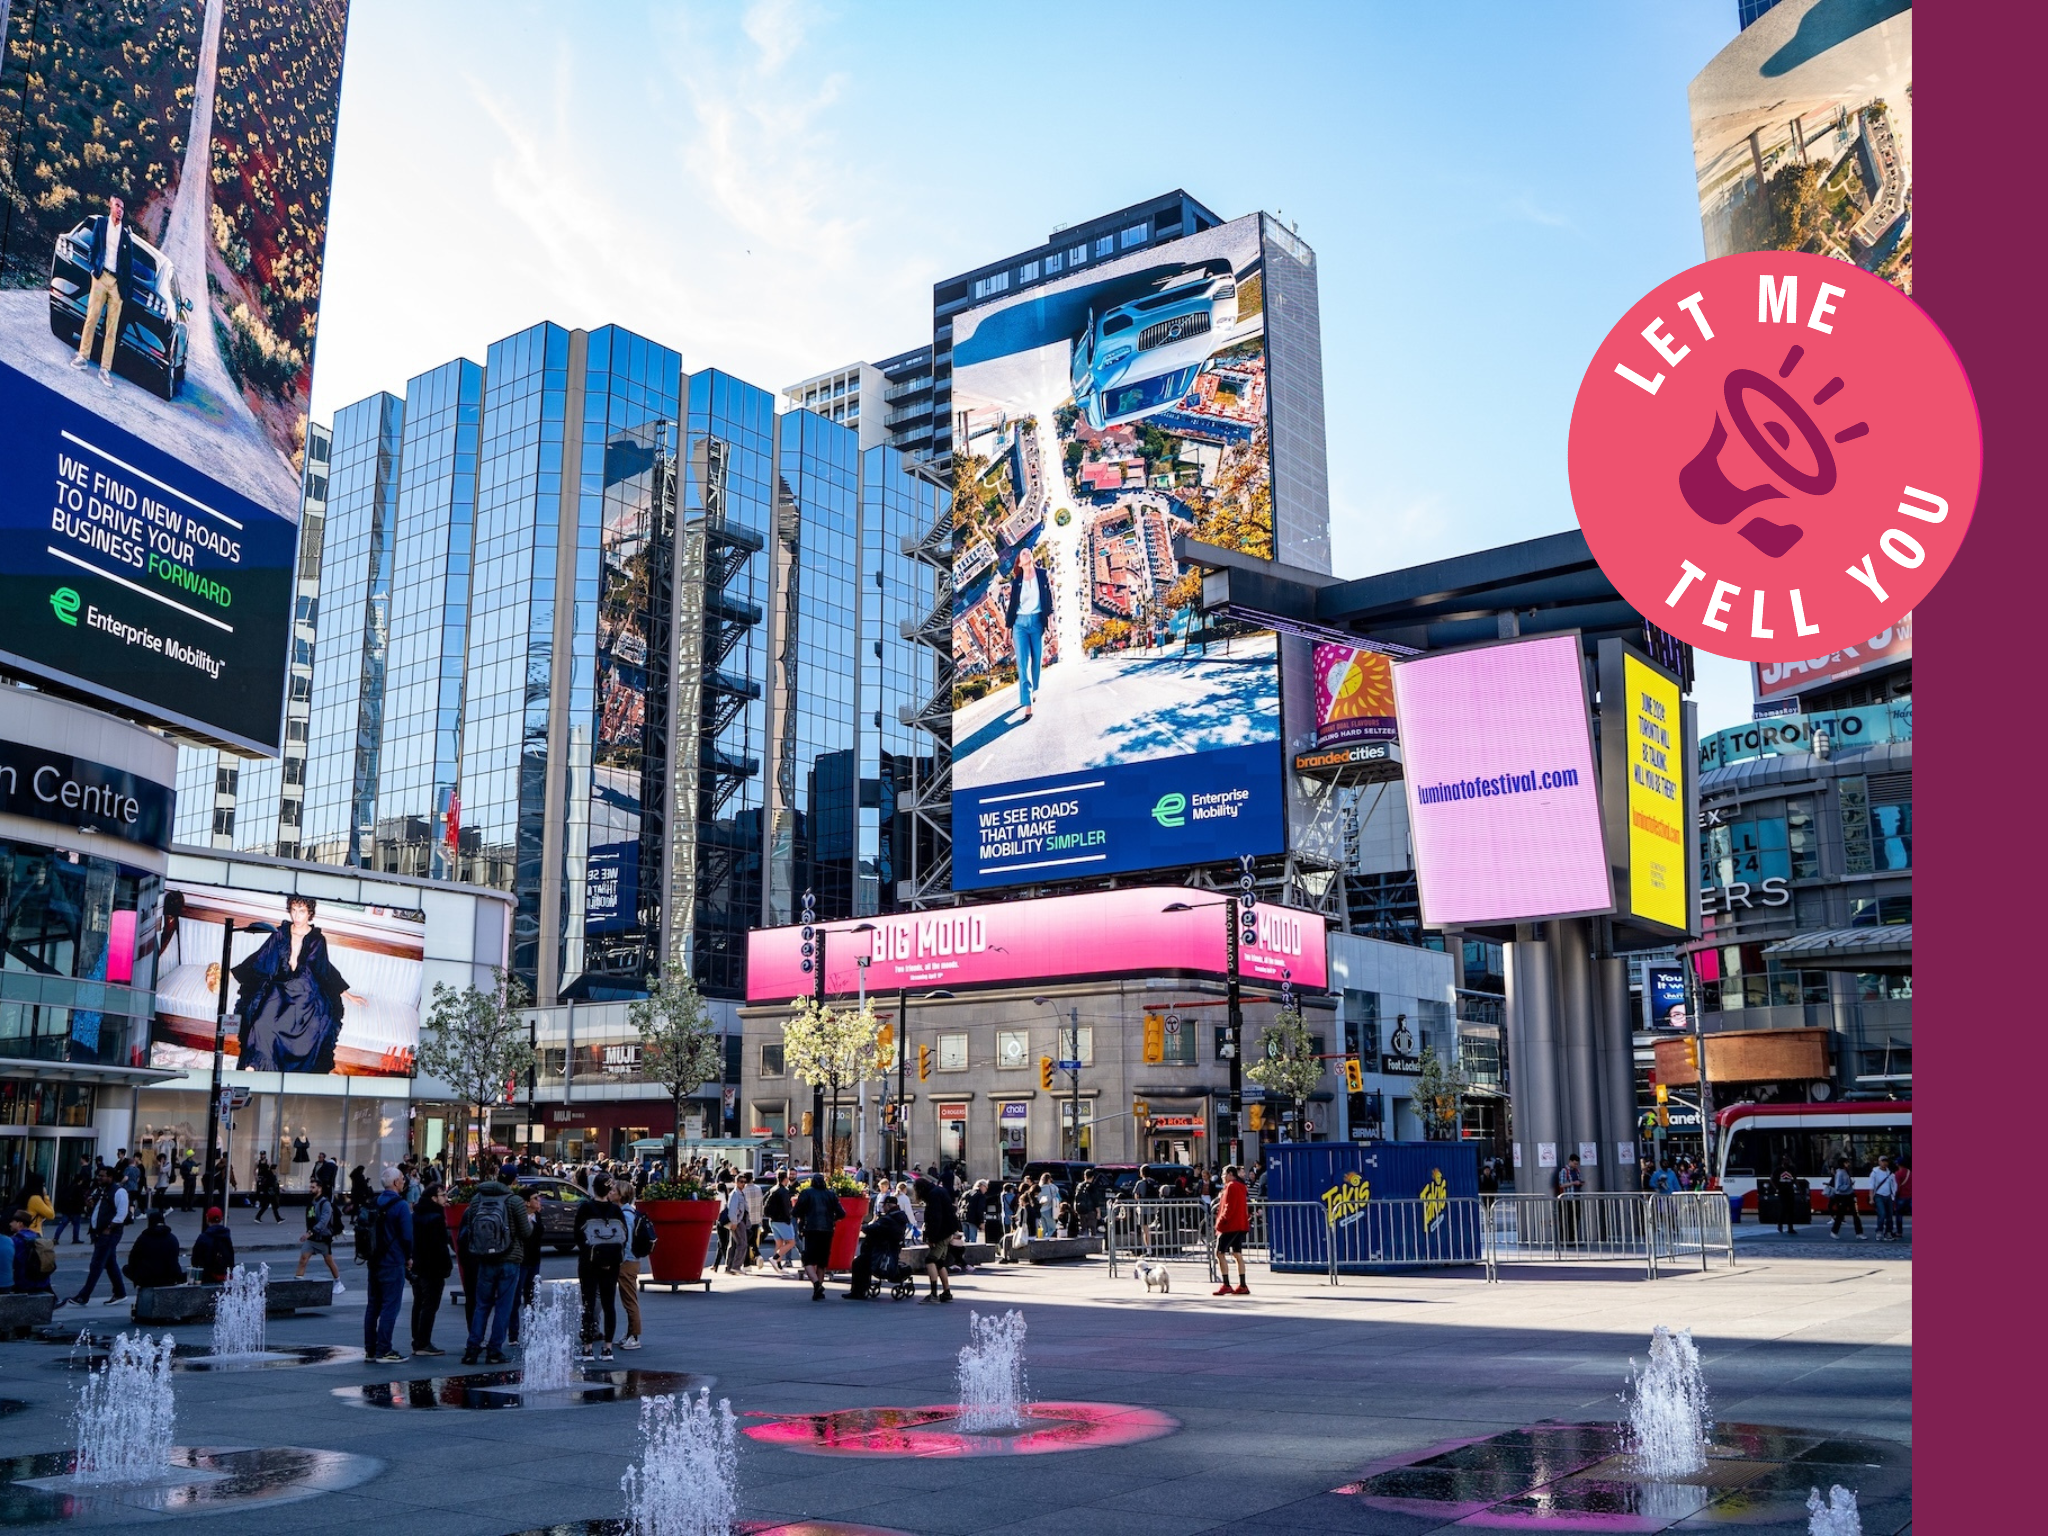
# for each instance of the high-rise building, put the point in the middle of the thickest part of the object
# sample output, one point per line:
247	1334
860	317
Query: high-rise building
890	401
1748	12
838	396
614	639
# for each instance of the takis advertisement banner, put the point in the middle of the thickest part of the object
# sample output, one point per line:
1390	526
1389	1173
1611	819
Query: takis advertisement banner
1100	723
1354	695
1503	802
165	189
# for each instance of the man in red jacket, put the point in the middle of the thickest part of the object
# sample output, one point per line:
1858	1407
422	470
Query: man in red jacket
1233	1221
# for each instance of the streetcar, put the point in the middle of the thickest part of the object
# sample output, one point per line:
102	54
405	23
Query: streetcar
1754	1137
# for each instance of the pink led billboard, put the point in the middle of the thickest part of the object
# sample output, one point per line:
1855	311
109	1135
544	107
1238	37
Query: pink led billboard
1058	938
1503	801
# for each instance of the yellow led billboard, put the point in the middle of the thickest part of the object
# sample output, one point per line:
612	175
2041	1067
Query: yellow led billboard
1656	817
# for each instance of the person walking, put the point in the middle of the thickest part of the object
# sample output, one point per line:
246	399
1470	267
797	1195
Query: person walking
818	1213
1233	1223
107	1219
602	1237
1884	1195
737	1218
1048	1207
779	1211
1842	1200
188	1176
941	1221
1026	611
323	1225
433	1260
390	1261
74	1198
1905	1206
213	1250
267	1189
492	1233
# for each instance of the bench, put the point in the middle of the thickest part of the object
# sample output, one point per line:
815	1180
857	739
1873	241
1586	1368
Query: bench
977	1253
194	1303
22	1311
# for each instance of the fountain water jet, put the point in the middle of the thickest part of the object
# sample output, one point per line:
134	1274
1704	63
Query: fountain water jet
126	1412
549	1330
687	1483
992	1391
1667	1408
241	1315
1836	1515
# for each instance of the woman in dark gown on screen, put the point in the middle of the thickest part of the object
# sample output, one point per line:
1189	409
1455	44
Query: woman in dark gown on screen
292	999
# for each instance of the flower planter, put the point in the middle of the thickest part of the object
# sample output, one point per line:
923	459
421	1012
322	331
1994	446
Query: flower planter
846	1235
682	1232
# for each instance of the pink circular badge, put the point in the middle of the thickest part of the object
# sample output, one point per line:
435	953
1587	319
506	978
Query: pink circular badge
1775	455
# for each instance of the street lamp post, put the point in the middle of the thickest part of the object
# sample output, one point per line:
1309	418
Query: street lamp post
1070	1063
1237	913
220	1025
860	1155
814	962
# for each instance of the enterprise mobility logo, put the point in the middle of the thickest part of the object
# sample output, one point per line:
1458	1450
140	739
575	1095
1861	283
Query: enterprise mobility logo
1499	784
1176	809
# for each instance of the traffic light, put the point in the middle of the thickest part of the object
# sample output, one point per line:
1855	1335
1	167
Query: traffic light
1692	1055
1663	1093
1663	1115
924	1062
1155	1038
1045	1071
885	1044
1141	1111
1354	1075
1255	1117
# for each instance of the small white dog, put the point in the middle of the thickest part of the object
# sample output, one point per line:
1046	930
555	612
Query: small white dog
1155	1277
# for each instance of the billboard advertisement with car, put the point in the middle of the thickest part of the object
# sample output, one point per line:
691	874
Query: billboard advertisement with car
1503	802
314	986
1100	722
163	214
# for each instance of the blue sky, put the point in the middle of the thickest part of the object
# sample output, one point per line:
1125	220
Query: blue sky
773	187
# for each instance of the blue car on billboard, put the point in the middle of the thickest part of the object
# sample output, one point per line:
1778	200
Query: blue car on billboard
1141	358
153	309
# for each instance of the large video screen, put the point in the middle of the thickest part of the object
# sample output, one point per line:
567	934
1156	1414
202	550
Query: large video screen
1802	135
1503	801
333	989
164	173
1100	724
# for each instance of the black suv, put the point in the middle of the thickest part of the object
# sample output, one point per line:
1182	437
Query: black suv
152	344
559	1200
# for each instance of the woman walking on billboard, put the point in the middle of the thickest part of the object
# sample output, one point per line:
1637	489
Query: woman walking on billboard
292	998
1026	611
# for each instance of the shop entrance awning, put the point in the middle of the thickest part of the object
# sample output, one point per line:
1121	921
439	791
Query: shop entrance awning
1887	948
87	1072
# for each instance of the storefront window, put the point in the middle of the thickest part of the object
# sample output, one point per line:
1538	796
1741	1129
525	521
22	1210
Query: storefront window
78	939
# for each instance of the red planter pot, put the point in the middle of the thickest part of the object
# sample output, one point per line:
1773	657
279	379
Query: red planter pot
846	1235
682	1232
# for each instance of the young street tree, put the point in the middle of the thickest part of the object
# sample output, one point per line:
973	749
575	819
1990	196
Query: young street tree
1288	1065
833	1049
679	1049
476	1043
1439	1096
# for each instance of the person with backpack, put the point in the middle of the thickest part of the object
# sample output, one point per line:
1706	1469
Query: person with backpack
818	1214
492	1236
433	1260
602	1238
267	1188
157	1257
107	1220
35	1256
213	1250
390	1260
639	1246
323	1226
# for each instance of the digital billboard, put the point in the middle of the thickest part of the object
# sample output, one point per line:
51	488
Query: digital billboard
1100	722
1652	752
1354	695
1503	802
1779	681
163	214
333	989
1139	930
1802	135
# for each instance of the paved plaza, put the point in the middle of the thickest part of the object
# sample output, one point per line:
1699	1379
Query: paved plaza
1281	1396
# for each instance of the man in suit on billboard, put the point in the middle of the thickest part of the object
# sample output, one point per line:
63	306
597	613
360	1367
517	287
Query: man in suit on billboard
111	261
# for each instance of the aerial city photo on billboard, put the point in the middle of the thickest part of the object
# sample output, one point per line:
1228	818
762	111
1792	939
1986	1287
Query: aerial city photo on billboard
315	986
1100	723
1503	801
163	217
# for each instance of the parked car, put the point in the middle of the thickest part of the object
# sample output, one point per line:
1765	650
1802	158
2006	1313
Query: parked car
153	339
558	1202
1173	1179
1066	1176
1141	358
